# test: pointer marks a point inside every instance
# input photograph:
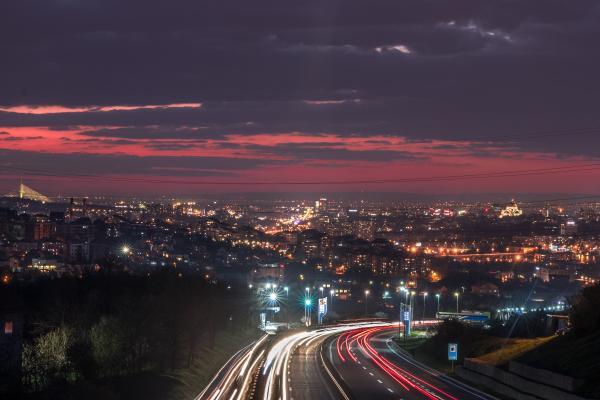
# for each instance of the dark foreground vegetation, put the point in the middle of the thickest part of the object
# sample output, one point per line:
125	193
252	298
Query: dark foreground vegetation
116	336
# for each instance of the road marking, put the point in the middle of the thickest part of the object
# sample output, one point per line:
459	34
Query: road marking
380	381
370	373
364	367
390	390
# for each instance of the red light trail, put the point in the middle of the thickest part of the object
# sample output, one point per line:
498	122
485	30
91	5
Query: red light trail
405	379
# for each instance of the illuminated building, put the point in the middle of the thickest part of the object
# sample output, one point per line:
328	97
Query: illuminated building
511	210
568	228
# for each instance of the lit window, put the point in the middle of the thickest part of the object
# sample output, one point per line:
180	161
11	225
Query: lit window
8	327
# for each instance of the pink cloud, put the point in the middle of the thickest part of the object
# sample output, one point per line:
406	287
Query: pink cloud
54	109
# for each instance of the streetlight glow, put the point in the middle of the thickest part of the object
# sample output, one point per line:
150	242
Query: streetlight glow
456	294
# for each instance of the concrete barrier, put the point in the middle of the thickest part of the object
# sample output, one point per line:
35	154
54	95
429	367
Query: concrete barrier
493	385
546	377
518	383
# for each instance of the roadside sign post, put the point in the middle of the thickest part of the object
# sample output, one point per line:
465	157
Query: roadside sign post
406	320
322	309
452	353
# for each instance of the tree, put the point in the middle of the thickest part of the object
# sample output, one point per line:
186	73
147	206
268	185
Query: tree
585	311
47	360
108	346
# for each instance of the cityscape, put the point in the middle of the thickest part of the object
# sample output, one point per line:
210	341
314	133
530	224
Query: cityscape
327	271
326	200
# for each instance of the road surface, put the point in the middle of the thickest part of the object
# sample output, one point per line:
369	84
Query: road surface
372	366
349	362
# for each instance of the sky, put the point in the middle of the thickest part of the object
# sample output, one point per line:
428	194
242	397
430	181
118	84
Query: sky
185	97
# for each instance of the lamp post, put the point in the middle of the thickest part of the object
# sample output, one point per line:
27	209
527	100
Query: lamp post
307	307
273	302
287	305
437	296
366	297
411	309
424	303
456	294
331	293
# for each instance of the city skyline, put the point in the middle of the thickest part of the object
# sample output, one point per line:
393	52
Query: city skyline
158	102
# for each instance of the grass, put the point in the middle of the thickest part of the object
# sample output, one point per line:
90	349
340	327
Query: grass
511	349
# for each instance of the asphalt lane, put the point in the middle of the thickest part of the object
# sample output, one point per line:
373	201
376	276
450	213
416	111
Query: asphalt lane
373	367
364	379
307	377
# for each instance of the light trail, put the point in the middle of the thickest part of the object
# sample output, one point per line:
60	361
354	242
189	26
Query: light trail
275	369
472	391
361	337
233	370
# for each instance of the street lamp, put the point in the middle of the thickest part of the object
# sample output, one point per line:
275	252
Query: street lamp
424	303
366	297
307	309
287	304
412	294
331	293
456	294
437	296
125	249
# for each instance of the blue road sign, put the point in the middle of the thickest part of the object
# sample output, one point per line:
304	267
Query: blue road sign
452	351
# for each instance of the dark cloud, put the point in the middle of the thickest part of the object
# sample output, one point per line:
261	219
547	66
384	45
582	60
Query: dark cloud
463	70
21	138
12	161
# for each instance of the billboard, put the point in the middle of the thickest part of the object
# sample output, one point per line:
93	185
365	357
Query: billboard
323	306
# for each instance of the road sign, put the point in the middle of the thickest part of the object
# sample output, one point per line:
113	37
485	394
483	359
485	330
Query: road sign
452	351
323	306
322	309
406	316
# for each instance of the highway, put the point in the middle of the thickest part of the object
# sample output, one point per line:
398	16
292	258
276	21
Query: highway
308	379
234	380
349	361
372	366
